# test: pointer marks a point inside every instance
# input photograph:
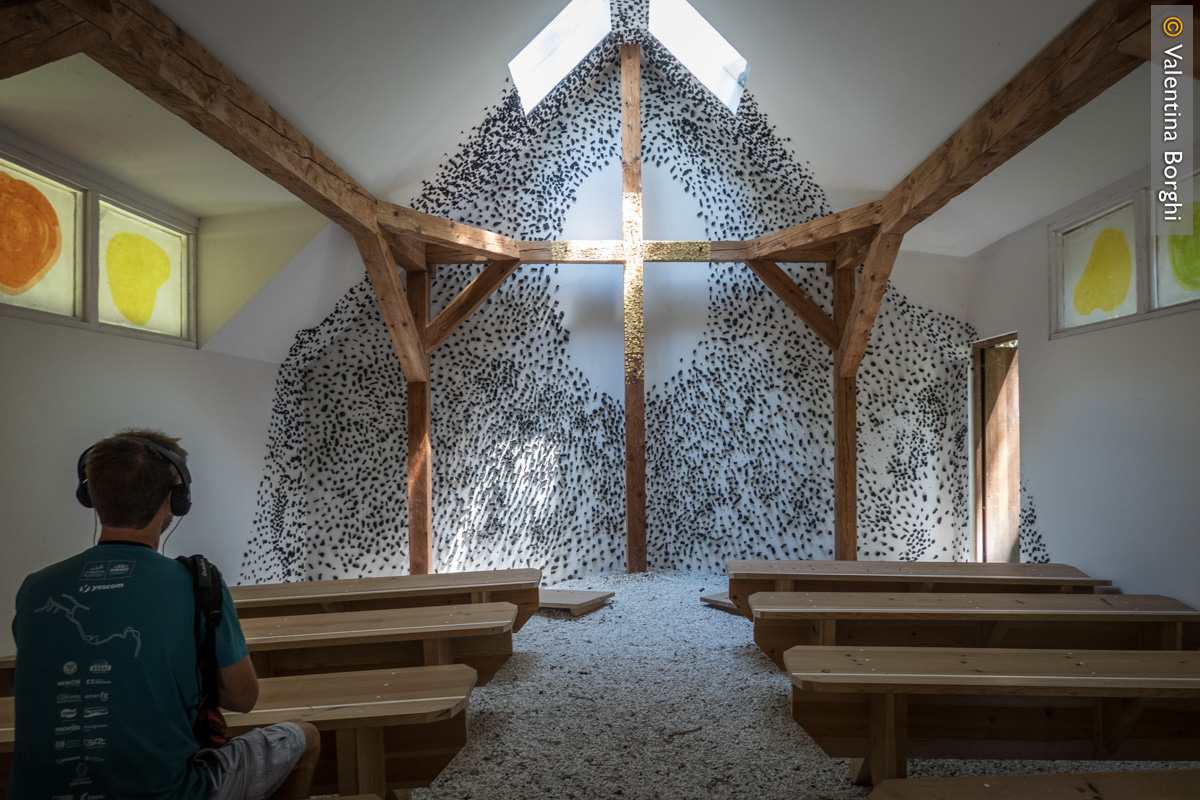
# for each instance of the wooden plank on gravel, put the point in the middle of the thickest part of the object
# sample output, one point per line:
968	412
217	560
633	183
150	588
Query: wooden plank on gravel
578	602
1157	784
721	601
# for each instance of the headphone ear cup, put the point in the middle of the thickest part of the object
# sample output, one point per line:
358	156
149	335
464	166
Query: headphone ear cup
81	491
181	499
82	494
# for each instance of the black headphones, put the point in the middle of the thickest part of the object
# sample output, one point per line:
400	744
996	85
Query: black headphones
181	493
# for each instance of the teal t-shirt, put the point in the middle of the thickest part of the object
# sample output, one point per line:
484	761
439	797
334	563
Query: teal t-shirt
106	679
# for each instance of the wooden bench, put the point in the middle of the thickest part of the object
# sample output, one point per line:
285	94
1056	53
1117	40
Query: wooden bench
880	706
1156	784
478	635
516	586
748	577
924	619
381	730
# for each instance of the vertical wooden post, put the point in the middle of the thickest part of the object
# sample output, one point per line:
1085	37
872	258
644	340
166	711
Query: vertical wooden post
420	451
845	430
635	392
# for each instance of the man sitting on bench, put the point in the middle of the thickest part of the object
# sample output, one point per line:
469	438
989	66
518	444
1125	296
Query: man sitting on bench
106	684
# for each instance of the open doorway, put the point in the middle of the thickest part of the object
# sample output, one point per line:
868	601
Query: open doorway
997	423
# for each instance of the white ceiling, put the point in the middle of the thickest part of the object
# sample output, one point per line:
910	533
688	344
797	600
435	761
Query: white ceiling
865	89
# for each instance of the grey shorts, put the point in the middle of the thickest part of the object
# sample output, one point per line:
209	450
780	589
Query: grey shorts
251	766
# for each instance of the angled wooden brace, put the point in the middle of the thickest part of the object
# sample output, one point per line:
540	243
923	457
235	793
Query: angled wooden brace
881	256
468	300
796	299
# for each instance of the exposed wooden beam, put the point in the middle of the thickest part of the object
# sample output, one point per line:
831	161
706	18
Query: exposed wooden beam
845	425
796	299
393	305
409	252
91	10
153	54
808	254
35	34
881	255
614	251
435	230
468	300
1082	62
419	402
830	228
1137	44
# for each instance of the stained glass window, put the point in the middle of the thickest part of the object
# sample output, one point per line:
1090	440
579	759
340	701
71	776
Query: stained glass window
143	273
1177	273
1099	269
39	242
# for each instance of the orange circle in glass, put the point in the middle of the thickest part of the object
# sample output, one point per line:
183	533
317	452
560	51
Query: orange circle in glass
30	238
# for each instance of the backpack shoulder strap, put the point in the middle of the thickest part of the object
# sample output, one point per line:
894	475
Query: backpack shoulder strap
206	584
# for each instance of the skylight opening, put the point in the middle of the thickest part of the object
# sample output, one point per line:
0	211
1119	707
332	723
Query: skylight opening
699	47
557	50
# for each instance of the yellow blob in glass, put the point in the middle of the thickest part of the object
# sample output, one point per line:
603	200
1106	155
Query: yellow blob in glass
1106	277
136	267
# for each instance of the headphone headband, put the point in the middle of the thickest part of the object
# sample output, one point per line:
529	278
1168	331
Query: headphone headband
181	493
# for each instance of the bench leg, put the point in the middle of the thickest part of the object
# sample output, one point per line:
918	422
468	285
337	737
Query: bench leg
888	738
360	761
438	652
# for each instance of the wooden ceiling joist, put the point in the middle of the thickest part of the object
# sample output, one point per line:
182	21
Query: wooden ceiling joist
1137	44
480	244
37	33
154	55
1079	65
468	300
796	299
830	228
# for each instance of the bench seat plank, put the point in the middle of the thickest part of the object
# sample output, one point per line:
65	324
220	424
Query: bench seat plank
996	703
478	635
939	619
1158	784
516	586
746	577
380	729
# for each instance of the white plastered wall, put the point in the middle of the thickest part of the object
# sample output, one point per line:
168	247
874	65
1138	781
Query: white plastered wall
63	388
1110	448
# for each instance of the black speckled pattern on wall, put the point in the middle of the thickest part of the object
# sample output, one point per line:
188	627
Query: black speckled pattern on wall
528	456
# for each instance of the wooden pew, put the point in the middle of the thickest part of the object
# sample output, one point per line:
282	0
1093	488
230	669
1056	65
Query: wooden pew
516	586
478	635
936	619
1156	784
391	729
749	577
880	706
380	729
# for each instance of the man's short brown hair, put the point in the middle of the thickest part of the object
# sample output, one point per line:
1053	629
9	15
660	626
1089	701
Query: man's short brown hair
128	481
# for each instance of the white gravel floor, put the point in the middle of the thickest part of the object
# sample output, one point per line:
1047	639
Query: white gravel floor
655	696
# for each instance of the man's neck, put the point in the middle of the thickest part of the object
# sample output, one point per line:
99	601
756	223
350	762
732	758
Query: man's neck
146	536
